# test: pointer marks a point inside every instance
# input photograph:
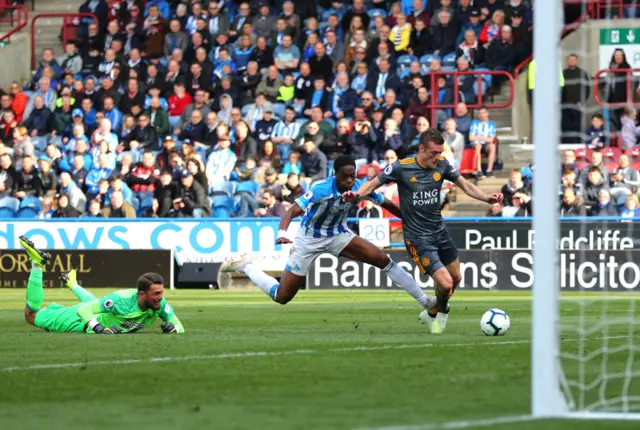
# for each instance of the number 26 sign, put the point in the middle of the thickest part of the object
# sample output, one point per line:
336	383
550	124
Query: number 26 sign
375	230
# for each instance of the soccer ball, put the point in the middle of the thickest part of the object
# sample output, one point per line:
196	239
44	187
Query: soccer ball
495	322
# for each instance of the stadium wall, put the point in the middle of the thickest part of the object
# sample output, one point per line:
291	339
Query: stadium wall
15	60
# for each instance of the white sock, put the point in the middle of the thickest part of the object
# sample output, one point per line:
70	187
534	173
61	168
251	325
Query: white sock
266	283
400	276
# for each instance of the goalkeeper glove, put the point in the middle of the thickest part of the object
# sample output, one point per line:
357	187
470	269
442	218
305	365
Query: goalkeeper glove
169	328
100	329
68	279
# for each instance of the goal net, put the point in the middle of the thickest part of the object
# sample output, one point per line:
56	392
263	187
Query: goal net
586	321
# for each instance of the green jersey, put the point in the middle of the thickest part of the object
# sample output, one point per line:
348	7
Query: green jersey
419	191
121	309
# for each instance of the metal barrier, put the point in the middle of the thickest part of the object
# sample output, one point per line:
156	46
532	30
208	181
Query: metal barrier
605	9
630	91
19	22
433	101
65	16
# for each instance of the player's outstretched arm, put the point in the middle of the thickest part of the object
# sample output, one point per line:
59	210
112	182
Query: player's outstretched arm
170	322
366	189
392	207
293	212
474	192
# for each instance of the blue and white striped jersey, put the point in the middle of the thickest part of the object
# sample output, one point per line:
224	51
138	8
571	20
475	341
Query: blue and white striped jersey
483	129
325	211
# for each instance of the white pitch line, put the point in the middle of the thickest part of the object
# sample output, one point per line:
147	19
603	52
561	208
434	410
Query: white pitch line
252	354
249	354
452	425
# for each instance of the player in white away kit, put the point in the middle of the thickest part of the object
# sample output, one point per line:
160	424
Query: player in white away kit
324	229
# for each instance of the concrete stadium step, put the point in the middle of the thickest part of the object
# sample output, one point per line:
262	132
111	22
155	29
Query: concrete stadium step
48	29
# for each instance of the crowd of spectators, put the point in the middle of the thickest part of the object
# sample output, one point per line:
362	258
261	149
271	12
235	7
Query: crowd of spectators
198	108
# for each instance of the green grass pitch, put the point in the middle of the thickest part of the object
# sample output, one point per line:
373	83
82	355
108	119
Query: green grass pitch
328	360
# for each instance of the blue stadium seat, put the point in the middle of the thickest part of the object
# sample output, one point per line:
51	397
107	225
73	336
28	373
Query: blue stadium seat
10	203
321	27
245	110
403	65
146	204
448	68
223	188
449	60
302	121
278	109
27	212
222	207
31	202
6	213
425	62
247	187
486	78
481	88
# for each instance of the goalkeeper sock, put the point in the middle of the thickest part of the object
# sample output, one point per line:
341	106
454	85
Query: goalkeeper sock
35	292
268	284
82	294
401	277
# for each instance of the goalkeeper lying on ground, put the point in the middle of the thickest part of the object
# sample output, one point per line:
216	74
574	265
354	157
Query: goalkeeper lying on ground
124	311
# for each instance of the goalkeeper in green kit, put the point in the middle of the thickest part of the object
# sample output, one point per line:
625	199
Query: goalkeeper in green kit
124	311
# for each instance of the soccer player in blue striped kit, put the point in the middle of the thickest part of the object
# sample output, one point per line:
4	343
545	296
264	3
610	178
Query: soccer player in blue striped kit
324	229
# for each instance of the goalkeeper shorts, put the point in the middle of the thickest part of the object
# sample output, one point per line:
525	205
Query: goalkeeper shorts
60	319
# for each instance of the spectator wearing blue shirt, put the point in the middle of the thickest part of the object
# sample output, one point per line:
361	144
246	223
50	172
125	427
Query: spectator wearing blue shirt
103	171
286	56
112	113
320	97
482	137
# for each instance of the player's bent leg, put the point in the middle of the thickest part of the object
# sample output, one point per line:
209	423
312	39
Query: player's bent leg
364	251
454	270
289	285
35	293
280	292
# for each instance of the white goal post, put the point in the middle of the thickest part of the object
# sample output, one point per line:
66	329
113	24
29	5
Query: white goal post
550	390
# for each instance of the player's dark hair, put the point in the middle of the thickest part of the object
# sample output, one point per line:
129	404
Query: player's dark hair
148	279
342	161
431	135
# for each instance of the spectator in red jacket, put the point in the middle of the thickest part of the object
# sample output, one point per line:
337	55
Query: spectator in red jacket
178	102
143	177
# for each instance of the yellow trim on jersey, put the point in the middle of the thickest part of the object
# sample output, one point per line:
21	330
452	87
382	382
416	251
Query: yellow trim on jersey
408	160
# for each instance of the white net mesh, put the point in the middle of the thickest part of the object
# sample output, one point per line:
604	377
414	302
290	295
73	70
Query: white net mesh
599	272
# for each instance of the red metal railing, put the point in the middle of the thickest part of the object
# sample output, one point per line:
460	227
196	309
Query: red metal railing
604	9
589	12
21	19
65	16
433	101
628	81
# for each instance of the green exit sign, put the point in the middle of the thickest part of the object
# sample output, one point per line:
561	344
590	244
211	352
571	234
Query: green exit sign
620	36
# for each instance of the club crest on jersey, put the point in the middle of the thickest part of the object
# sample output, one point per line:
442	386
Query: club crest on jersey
167	309
425	261
388	169
413	179
437	176
308	195
108	304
